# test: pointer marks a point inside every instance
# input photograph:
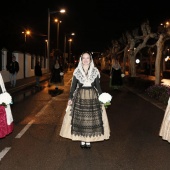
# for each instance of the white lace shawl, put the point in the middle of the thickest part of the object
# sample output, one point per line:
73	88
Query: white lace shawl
116	66
93	72
57	66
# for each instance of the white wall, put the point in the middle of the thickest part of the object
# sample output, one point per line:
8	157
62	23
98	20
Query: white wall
20	58
29	72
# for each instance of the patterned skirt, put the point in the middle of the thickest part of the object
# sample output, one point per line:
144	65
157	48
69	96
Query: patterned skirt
5	129
165	126
86	119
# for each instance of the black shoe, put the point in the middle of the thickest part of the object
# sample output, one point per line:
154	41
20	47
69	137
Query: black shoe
83	146
88	146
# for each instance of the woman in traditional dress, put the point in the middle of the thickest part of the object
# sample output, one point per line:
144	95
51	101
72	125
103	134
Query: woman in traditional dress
85	119
56	78
115	74
6	119
165	126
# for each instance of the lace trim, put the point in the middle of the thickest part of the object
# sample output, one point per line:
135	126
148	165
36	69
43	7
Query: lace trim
80	75
96	134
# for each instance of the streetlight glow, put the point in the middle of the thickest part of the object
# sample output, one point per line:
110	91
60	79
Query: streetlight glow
137	61
48	47
62	11
58	26
65	37
27	32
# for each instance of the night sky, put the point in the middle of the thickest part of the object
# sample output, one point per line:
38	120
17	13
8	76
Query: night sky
95	23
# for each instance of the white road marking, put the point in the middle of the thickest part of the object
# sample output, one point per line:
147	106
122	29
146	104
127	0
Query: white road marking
4	152
19	135
43	109
25	129
69	82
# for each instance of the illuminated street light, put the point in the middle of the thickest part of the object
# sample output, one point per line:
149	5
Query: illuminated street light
58	26
137	61
48	47
70	40
27	32
65	40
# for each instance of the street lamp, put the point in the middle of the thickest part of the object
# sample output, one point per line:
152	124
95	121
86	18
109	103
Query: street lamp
58	25
48	47
70	40
25	34
65	40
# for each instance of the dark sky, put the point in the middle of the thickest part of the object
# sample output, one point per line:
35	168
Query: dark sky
94	23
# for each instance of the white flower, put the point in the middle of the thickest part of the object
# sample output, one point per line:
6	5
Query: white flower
122	75
105	97
61	73
5	98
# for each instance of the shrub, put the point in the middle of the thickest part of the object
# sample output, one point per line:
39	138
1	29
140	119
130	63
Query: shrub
159	92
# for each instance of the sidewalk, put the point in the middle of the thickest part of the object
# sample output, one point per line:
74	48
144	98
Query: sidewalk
163	81
25	83
22	84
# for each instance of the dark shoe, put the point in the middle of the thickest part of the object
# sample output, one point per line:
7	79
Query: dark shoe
88	146
83	146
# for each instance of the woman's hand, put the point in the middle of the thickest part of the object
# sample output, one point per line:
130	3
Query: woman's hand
69	102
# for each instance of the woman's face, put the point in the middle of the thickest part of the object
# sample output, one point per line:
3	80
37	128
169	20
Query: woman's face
85	59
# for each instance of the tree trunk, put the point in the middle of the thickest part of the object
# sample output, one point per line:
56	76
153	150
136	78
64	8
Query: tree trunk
159	44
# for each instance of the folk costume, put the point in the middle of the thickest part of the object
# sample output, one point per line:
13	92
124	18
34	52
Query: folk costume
116	79
55	77
165	126
86	119
6	119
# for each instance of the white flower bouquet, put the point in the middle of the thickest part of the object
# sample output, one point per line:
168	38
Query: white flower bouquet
5	99
122	75
105	98
61	73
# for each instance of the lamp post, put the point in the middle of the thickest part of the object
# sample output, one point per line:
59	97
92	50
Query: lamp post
58	26
70	40
27	32
65	44
48	47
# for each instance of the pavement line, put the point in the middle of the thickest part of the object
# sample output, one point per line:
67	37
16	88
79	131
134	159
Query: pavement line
4	152
24	129
43	109
68	82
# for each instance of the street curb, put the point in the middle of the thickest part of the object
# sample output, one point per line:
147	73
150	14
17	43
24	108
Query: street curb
150	100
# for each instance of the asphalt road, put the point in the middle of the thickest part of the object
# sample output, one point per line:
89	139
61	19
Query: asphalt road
134	144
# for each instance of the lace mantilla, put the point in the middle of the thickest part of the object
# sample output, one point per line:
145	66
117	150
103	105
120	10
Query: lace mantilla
92	75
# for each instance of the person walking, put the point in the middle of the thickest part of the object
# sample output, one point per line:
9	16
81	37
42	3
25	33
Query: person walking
85	119
116	76
55	74
38	73
56	69
13	68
